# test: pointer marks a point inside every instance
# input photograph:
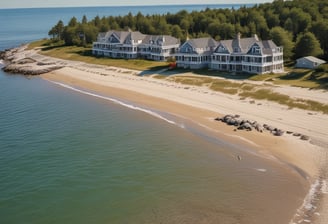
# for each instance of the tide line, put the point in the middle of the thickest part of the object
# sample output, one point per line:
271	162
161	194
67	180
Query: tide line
130	106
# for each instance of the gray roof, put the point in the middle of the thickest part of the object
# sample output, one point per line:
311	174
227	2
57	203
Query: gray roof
203	46
202	42
313	59
160	40
136	35
127	36
244	44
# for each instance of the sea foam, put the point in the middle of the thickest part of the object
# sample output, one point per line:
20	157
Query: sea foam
309	205
130	106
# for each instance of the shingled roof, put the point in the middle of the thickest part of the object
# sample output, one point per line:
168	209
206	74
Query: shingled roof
160	40
243	45
199	45
203	42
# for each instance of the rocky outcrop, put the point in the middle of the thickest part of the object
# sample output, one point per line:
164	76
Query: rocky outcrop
247	125
16	61
28	70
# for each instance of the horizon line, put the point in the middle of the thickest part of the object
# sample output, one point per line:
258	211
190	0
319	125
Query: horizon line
145	5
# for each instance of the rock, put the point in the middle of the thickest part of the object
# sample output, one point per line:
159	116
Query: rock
25	61
305	137
2	54
218	119
289	132
270	128
231	121
258	128
297	134
278	132
246	126
227	117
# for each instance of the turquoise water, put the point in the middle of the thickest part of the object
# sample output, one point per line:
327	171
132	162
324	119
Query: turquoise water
68	157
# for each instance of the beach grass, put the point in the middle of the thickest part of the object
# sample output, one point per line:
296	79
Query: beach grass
247	90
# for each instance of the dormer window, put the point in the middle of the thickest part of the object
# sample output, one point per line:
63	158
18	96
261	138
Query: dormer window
256	50
221	48
236	49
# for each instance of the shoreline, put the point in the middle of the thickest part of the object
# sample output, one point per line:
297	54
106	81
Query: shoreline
200	106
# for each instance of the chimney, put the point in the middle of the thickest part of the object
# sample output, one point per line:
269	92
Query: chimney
238	36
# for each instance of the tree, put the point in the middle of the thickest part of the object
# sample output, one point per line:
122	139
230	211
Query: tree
84	19
57	31
226	31
320	30
72	22
97	21
288	25
307	45
301	20
283	38
69	35
213	29
177	32
272	19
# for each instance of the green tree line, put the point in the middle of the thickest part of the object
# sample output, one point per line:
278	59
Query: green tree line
300	26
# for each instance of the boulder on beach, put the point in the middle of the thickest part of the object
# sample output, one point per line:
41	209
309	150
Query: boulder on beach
305	137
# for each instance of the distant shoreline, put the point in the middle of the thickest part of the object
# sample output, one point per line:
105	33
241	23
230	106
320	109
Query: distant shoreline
121	6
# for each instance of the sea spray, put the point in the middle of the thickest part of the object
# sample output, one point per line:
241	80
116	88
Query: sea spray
130	106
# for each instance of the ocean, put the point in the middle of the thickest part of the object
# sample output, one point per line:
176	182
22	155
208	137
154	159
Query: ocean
70	156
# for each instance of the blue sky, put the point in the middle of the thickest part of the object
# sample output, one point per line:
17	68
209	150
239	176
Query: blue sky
66	3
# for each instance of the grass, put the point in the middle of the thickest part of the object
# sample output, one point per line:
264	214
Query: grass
84	54
204	77
267	94
252	91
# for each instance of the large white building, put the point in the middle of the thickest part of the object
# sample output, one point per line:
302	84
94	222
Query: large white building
249	55
196	53
128	44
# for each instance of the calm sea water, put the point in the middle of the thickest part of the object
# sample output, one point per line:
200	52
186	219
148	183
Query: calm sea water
68	157
19	26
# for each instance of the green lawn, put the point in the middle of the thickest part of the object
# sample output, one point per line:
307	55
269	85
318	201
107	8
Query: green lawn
84	54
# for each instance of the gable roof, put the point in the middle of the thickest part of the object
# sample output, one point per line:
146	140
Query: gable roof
243	45
160	40
199	45
204	42
126	37
313	59
122	36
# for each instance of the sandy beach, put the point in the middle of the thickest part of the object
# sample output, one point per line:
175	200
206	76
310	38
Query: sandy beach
199	106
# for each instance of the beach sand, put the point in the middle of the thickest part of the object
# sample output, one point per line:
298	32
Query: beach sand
199	106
